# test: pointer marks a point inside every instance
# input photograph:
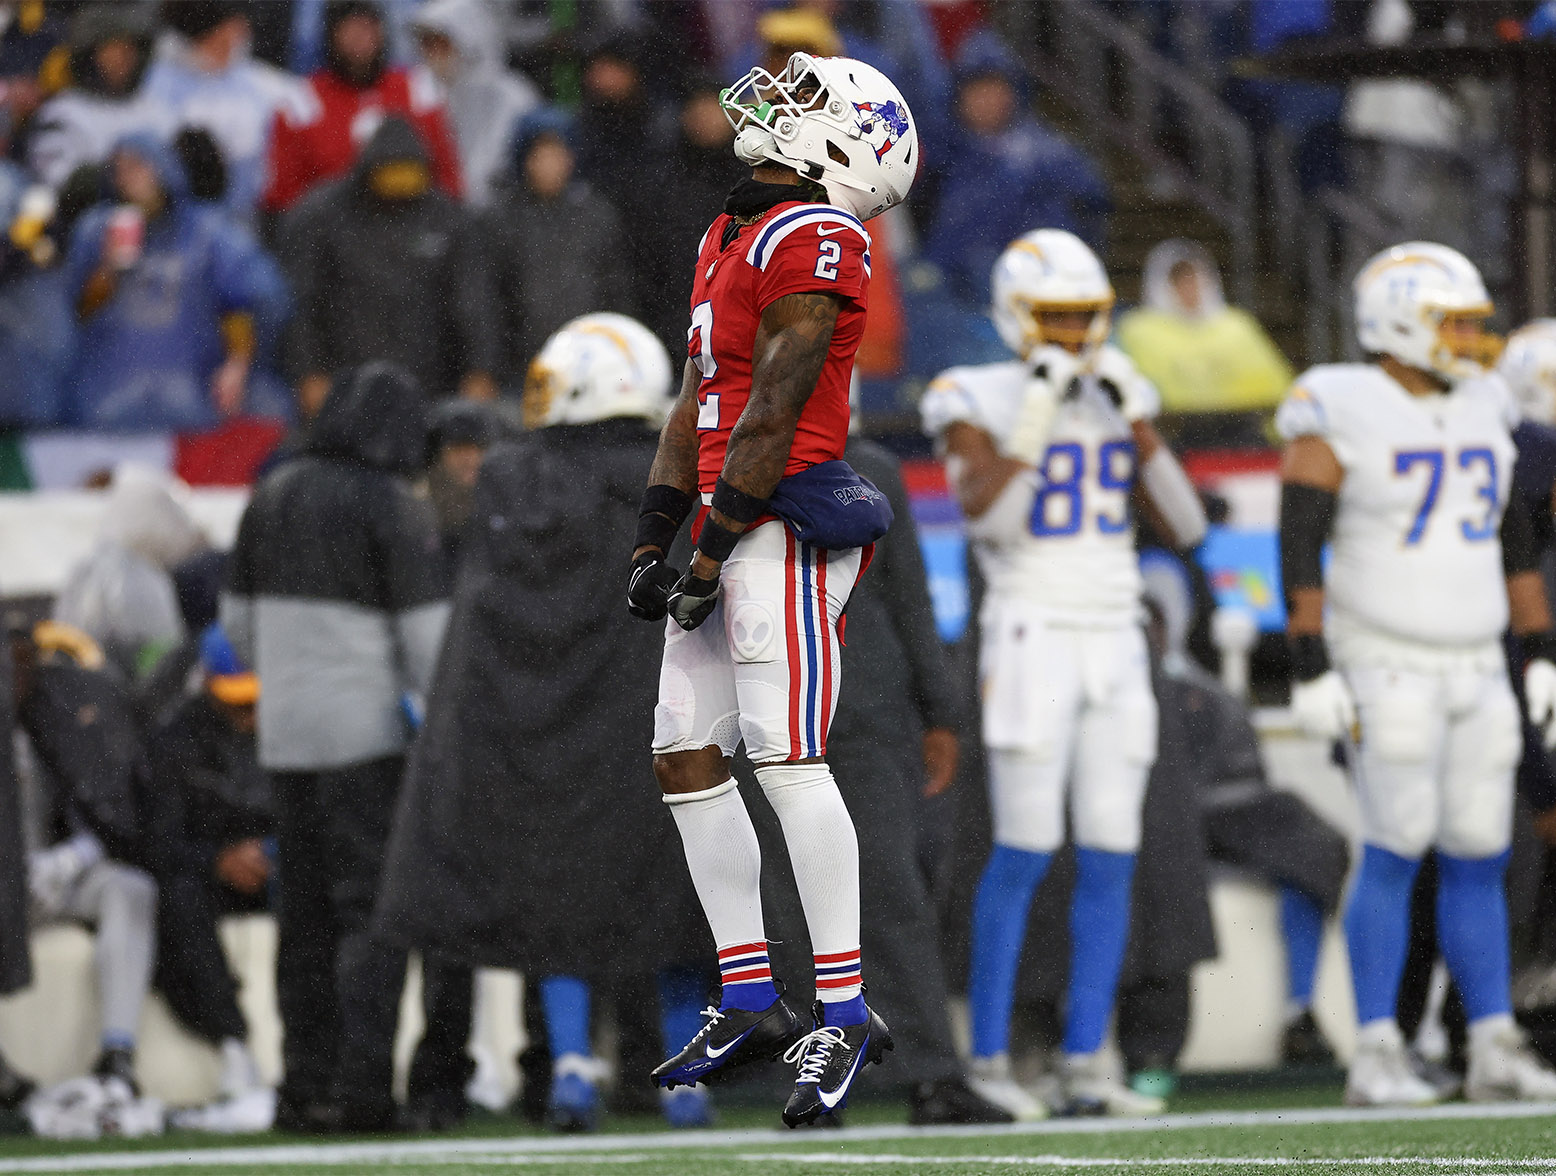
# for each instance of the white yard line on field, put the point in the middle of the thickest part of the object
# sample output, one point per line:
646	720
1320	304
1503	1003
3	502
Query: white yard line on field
1052	1161
435	1150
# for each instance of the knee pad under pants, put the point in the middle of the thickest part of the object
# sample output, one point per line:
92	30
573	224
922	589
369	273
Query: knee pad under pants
1089	732
766	664
1436	761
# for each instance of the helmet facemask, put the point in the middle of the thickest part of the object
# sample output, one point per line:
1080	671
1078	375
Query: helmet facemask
540	390
1460	353
765	109
1084	341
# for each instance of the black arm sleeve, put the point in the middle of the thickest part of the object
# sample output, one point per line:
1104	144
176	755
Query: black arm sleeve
1306	518
1520	552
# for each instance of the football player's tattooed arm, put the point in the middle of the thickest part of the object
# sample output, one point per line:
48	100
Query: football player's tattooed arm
792	342
1308	462
675	461
979	472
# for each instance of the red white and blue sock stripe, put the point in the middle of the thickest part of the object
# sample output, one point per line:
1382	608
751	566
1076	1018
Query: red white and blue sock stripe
745	963
837	976
746	976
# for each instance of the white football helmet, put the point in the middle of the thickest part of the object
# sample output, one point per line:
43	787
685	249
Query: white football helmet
1528	364
1050	270
834	120
1407	297
595	367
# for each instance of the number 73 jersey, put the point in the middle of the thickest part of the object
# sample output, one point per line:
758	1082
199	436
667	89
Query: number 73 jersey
1416	551
793	248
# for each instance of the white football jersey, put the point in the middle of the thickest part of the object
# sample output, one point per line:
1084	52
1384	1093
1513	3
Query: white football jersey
1077	555
1416	553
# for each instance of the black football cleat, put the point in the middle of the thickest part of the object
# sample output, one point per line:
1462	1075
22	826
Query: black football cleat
729	1039
1303	1043
830	1058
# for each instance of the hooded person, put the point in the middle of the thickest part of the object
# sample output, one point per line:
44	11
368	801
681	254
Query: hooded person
385	267
336	598
170	297
79	760
555	245
205	74
110	49
520	830
1202	355
1002	172
122	594
1247	823
36	327
459	42
344	103
209	815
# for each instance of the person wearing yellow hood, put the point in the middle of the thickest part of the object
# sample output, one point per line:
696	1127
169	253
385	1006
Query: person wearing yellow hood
1203	355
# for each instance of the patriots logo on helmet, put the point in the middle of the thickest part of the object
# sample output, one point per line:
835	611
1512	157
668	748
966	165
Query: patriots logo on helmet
891	114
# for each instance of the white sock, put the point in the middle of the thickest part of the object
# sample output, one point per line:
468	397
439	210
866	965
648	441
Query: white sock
1485	1031
825	851
239	1073
1382	1032
724	859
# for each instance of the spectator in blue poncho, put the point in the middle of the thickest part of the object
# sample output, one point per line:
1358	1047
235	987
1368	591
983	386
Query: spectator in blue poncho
1003	173
35	328
167	312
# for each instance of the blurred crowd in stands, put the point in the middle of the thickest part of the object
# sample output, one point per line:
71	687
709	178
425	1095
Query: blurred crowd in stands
210	203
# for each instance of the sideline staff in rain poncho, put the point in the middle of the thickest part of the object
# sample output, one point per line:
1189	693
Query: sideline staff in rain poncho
530	835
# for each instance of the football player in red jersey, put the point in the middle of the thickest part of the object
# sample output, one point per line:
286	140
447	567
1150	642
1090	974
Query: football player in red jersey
756	439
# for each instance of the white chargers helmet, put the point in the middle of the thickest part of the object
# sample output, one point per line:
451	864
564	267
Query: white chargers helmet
1423	304
595	367
1528	364
834	120
1050	270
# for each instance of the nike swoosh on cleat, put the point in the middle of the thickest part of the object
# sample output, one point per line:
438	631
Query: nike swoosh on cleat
720	1052
830	1099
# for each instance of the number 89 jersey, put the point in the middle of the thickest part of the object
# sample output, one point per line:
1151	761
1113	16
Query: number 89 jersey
794	248
1416	553
1075	553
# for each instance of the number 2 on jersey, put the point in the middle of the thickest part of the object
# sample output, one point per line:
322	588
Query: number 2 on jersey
1407	460
699	344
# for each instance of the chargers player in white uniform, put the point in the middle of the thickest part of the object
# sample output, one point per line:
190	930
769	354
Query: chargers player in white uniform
1403	466
1046	454
1528	364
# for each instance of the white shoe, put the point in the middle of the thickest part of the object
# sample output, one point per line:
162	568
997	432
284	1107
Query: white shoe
1381	1076
486	1088
242	1114
1507	1067
240	1072
1093	1085
989	1078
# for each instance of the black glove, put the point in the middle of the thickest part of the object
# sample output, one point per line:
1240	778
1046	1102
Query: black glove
692	600
649	587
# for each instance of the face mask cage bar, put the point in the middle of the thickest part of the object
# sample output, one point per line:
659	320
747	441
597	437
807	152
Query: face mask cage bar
1083	340
1481	349
540	388
761	99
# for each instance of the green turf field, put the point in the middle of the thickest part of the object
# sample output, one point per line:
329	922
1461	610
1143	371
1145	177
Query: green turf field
1484	1141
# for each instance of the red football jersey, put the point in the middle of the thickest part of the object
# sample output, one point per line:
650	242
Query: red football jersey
795	248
